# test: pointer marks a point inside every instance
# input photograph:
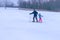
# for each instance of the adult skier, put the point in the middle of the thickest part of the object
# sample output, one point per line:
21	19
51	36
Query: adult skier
35	13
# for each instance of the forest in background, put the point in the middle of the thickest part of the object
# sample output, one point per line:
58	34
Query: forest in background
34	4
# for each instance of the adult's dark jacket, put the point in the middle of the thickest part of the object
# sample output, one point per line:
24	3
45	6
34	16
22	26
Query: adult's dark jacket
35	13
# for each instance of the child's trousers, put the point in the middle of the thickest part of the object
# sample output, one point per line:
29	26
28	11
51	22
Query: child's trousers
40	20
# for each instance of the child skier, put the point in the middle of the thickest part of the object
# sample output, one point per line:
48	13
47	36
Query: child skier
40	19
35	15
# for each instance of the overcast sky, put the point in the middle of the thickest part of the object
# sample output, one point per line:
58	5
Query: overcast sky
15	1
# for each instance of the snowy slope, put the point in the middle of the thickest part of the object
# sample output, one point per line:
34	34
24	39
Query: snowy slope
16	25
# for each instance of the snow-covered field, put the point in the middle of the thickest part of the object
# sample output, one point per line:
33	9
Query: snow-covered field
16	25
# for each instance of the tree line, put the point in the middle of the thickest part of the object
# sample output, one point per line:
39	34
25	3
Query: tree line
35	4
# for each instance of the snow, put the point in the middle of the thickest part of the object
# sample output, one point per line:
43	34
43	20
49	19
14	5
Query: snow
16	24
